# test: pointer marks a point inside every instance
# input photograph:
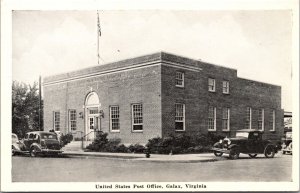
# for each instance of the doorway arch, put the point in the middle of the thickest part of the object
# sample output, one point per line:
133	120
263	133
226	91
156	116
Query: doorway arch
91	107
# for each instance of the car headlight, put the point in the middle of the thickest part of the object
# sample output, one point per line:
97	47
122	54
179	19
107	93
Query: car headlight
221	141
229	142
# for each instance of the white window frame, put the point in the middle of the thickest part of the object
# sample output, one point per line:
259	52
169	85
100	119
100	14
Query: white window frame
213	89
250	118
54	121
225	86
70	120
183	116
214	119
261	119
228	118
132	120
111	118
178	79
273	118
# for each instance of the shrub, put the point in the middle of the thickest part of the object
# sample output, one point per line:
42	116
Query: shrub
65	139
136	148
182	143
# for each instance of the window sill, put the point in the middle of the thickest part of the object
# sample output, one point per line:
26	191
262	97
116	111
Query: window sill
272	131
137	131
179	131
212	130
226	93
115	131
225	130
179	86
213	91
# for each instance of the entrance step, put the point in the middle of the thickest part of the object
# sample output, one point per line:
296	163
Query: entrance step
76	146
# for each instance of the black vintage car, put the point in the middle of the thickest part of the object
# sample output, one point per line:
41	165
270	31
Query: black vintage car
247	141
37	142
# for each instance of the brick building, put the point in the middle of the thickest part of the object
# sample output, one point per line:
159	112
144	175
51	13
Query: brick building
157	95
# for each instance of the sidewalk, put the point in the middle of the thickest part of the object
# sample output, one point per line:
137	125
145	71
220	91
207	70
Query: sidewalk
181	158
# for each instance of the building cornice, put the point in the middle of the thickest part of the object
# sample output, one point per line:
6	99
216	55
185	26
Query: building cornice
124	69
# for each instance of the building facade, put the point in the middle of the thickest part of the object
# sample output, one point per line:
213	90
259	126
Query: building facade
158	95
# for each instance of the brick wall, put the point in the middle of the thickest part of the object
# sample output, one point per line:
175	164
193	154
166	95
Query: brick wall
123	88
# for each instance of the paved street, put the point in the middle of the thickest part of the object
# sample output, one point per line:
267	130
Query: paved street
100	169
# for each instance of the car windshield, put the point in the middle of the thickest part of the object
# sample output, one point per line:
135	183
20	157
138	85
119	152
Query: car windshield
242	134
48	136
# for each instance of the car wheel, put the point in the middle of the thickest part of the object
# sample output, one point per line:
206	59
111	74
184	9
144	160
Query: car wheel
218	154
269	152
33	152
234	154
252	155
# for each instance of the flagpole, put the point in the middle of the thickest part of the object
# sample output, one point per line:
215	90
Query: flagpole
98	26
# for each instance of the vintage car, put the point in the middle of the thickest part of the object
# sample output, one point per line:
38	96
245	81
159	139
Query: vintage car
247	141
17	145
37	143
287	143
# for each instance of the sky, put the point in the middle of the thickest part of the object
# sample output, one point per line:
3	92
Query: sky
256	43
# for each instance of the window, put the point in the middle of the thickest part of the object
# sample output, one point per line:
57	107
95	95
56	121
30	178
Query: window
179	117
179	79
72	120
211	118
211	85
56	120
248	123
272	120
225	119
226	87
91	120
114	118
261	119
137	117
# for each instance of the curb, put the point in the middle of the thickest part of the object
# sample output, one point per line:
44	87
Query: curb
139	158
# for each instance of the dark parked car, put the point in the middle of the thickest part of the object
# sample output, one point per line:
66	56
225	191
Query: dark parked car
246	141
38	142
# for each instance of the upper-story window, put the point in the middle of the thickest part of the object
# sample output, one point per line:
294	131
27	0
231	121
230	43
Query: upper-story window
179	79
179	117
137	117
226	87
212	121
211	85
56	117
261	119
248	122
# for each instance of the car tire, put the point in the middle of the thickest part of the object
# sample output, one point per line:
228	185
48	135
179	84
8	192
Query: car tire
234	154
252	155
33	152
218	154
269	152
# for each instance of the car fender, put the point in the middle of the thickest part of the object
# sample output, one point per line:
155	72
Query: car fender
16	147
233	146
217	145
271	145
36	145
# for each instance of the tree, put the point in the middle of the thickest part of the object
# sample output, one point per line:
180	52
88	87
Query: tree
25	108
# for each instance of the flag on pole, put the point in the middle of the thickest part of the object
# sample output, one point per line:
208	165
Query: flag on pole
98	24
